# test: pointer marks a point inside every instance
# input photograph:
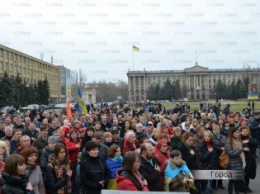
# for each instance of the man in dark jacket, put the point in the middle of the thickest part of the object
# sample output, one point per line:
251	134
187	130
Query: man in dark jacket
42	141
150	168
31	132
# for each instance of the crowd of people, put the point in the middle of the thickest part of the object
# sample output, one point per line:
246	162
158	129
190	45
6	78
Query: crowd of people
126	149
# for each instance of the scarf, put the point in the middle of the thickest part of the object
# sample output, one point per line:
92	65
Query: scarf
117	159
217	136
208	144
139	178
238	145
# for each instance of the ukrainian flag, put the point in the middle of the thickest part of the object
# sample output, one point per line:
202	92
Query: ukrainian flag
136	49
81	108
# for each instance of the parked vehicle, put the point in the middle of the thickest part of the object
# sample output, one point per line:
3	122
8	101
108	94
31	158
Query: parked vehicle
7	110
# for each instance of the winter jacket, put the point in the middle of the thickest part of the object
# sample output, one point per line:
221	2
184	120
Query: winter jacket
35	134
250	169
73	151
235	160
37	181
127	182
92	171
103	149
150	174
187	156
53	182
44	159
15	184
208	160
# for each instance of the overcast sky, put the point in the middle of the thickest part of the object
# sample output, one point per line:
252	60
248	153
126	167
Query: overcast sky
97	36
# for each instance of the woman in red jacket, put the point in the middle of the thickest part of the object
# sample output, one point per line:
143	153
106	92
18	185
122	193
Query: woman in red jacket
130	142
73	146
130	178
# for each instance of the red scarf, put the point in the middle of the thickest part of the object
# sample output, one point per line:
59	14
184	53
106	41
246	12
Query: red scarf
208	144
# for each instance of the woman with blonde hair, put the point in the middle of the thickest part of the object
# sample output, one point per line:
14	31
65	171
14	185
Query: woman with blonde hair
4	149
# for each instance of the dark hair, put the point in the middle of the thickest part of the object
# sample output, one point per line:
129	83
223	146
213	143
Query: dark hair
175	153
43	127
12	162
186	135
56	152
129	160
143	148
26	152
112	151
90	145
232	130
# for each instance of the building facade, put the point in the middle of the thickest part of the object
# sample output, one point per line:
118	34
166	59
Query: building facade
196	83
89	95
32	70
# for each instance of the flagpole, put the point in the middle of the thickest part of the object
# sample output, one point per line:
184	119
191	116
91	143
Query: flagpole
133	74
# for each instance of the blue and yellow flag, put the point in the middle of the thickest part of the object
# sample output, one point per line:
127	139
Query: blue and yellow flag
81	108
136	49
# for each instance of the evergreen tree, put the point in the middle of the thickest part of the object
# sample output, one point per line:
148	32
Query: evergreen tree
233	91
18	91
166	92
157	92
246	83
6	91
219	90
46	95
177	89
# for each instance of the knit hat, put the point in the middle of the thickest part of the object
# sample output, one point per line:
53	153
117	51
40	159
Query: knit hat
52	139
160	143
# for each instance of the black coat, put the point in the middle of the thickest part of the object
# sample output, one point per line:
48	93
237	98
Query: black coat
15	184
152	176
250	169
54	183
187	156
93	170
208	160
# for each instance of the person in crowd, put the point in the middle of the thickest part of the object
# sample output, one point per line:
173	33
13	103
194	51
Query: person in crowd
4	149
58	173
234	149
15	142
54	126
42	141
251	144
8	134
94	173
129	178
194	124
103	149
114	163
130	142
30	156
31	132
208	158
116	139
87	137
150	168
73	146
107	139
46	152
176	139
125	128
178	177
156	136
25	141
139	131
198	137
15	176
219	144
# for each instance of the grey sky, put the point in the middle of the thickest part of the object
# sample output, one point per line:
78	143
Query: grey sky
97	36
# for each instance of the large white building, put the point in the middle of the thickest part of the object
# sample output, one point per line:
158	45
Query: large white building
196	82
